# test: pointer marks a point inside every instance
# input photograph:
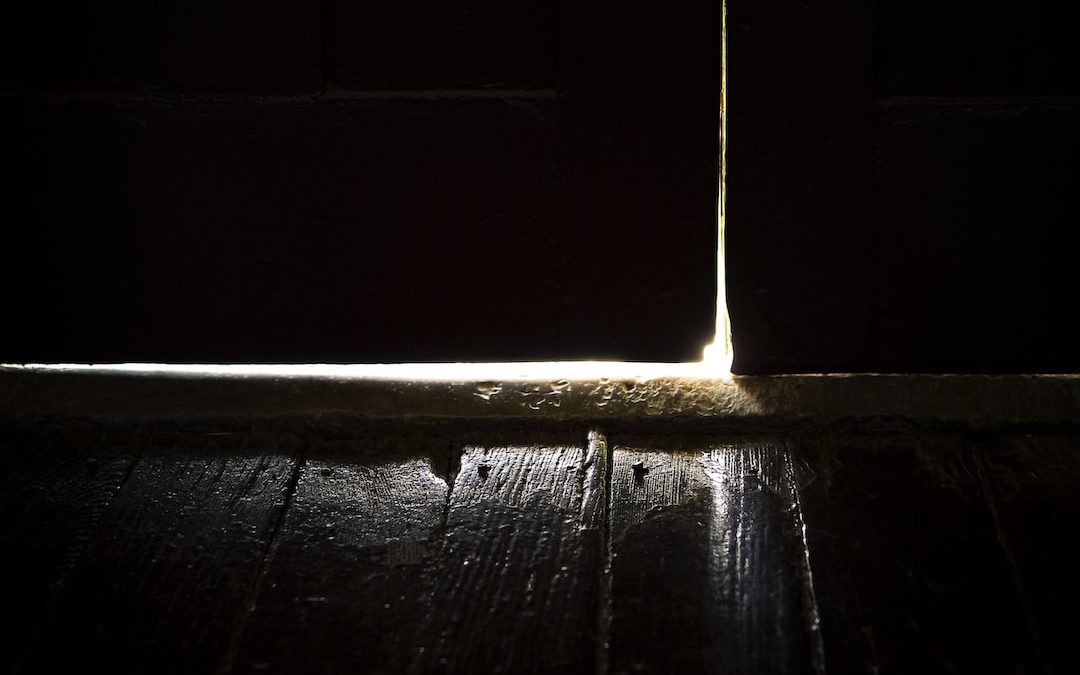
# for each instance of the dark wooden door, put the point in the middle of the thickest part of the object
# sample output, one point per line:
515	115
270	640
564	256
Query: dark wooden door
358	182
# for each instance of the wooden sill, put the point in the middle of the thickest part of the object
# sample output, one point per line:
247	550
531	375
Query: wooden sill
658	392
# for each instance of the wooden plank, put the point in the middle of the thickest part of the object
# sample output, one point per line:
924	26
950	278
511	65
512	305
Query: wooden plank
515	590
245	46
948	260
639	116
800	185
327	203
1031	486
907	565
54	45
176	558
659	546
708	561
355	551
467	44
59	477
963	51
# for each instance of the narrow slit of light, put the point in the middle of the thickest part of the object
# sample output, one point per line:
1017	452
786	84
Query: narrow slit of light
720	353
416	372
715	364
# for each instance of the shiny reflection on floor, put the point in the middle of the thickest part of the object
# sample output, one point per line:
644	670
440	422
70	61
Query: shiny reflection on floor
759	566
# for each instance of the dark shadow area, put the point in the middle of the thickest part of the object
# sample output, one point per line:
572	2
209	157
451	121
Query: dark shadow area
305	181
900	187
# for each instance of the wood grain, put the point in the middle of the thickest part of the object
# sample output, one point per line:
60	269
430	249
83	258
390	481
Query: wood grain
164	582
909	573
515	589
58	481
144	548
356	550
1030	485
709	565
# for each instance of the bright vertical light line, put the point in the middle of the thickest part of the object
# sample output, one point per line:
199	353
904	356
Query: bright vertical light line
719	354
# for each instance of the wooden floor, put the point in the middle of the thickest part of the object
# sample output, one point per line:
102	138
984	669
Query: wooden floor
198	547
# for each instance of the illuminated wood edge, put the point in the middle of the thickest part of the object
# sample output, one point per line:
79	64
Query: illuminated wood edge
105	392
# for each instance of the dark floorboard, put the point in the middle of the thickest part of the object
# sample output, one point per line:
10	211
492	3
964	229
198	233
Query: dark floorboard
164	581
228	548
516	580
1032	486
346	580
907	564
58	478
709	562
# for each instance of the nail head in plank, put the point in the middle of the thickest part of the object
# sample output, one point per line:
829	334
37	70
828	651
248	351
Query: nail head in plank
709	564
517	578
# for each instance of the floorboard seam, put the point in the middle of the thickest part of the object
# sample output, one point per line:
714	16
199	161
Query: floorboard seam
604	455
813	619
254	587
1009	554
453	468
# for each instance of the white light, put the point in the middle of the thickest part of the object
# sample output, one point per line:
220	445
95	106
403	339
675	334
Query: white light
431	372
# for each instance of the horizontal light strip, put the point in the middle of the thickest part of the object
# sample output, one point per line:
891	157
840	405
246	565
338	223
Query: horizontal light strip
431	372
